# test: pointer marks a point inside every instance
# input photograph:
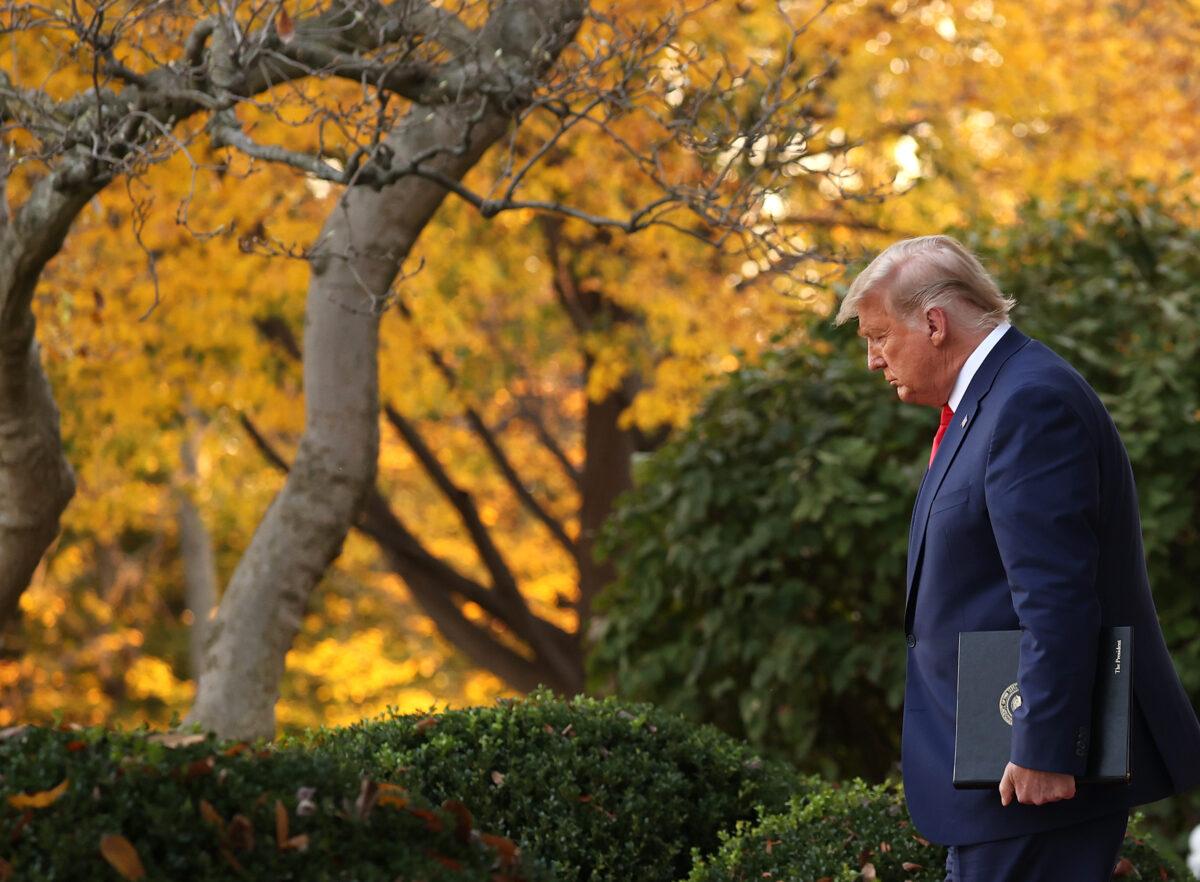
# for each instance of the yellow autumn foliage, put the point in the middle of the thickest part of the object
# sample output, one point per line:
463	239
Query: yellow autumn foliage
961	110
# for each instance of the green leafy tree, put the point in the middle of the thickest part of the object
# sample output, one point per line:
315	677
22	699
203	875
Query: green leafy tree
761	554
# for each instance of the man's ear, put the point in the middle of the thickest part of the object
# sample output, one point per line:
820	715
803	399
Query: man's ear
937	325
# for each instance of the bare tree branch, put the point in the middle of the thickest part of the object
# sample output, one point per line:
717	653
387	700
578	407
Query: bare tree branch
479	427
432	580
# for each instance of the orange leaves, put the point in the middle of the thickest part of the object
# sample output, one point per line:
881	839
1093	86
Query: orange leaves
123	857
39	800
392	795
283	841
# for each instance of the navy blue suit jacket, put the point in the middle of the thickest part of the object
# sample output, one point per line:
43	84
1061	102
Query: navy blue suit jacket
1028	519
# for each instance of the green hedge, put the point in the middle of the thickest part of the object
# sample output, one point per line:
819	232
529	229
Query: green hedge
859	831
208	811
597	789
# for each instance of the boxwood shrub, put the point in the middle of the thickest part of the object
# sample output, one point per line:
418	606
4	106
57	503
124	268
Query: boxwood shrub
99	805
856	831
598	789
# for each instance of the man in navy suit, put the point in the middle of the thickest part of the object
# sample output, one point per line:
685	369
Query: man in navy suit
1027	518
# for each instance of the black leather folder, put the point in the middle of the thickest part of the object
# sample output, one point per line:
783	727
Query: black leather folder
988	694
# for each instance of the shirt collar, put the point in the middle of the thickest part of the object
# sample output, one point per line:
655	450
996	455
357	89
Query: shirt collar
974	360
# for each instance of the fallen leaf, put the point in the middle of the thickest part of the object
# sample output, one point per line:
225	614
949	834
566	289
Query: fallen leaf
885	847
393	795
230	859
177	739
121	854
771	843
234	750
281	825
241	833
76	746
432	822
909	866
1124	867
426	723
868	871
445	861
298	843
199	768
922	841
39	800
211	815
463	822
505	847
497	778
13	731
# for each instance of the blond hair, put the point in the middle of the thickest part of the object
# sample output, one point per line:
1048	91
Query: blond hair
919	274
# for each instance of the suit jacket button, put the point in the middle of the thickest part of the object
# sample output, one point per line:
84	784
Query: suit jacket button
911	640
1081	750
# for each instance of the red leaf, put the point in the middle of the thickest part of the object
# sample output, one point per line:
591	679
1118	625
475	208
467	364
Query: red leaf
463	821
241	833
909	866
426	723
432	822
199	768
1124	867
284	26
445	861
76	746
505	847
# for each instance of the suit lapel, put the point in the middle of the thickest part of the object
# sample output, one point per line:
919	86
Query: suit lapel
964	418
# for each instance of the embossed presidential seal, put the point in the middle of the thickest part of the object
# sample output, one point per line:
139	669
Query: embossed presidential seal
1010	700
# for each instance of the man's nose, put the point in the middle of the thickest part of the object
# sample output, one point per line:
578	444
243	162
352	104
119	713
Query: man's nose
875	361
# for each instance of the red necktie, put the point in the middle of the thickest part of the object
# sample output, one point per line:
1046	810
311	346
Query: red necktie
947	415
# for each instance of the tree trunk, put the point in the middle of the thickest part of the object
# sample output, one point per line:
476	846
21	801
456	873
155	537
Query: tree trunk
36	482
357	257
199	563
607	471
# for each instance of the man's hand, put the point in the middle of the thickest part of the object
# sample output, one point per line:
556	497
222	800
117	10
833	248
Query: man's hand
1032	787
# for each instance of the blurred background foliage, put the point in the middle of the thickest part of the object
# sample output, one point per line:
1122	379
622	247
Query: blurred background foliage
935	113
761	555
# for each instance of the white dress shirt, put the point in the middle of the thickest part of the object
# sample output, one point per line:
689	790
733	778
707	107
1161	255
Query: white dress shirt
974	360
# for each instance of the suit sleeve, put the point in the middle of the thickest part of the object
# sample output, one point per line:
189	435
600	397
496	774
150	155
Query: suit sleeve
1042	488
